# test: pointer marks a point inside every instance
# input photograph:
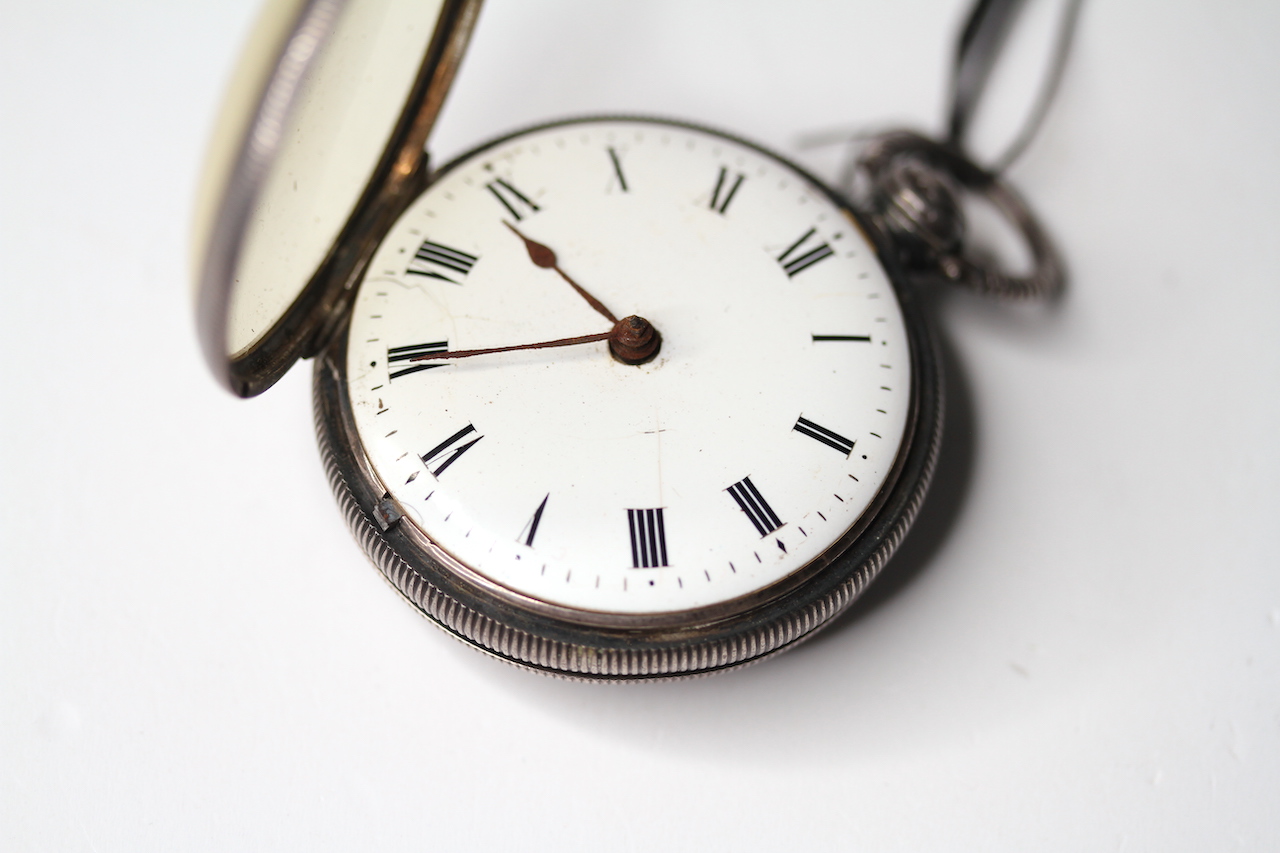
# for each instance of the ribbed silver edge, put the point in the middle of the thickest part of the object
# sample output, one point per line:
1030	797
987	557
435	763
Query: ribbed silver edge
584	662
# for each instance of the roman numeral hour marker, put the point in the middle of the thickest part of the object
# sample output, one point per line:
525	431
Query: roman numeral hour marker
452	447
648	538
755	506
725	190
532	526
511	198
617	169
431	258
803	258
409	353
804	426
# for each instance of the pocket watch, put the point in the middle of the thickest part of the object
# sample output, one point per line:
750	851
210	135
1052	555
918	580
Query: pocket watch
608	398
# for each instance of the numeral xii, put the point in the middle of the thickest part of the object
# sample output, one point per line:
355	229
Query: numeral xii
818	433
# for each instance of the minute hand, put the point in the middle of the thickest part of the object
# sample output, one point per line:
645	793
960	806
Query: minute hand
544	257
632	340
560	342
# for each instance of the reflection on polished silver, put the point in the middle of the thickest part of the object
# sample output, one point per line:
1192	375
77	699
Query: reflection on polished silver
912	194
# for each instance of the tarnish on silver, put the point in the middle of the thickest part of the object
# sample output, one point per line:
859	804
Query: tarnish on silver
616	647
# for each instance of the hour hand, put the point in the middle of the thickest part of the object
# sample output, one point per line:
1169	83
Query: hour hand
542	256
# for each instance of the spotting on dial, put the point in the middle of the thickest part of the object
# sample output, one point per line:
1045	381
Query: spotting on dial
628	367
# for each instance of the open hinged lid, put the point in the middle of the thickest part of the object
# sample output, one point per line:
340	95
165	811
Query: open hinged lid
320	143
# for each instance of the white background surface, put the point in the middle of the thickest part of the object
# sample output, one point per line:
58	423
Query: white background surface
1078	648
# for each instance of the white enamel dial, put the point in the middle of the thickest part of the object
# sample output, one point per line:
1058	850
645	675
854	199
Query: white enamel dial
765	426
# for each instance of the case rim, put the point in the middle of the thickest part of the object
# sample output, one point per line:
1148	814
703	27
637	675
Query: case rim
598	646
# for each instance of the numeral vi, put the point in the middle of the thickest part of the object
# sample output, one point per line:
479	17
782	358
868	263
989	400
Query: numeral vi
648	538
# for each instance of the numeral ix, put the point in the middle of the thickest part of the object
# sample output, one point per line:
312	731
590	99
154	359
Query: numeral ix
399	355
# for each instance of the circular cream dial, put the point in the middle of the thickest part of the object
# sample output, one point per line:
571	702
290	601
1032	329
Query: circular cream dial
756	437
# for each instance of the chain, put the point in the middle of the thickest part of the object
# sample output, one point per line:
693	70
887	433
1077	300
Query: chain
912	186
